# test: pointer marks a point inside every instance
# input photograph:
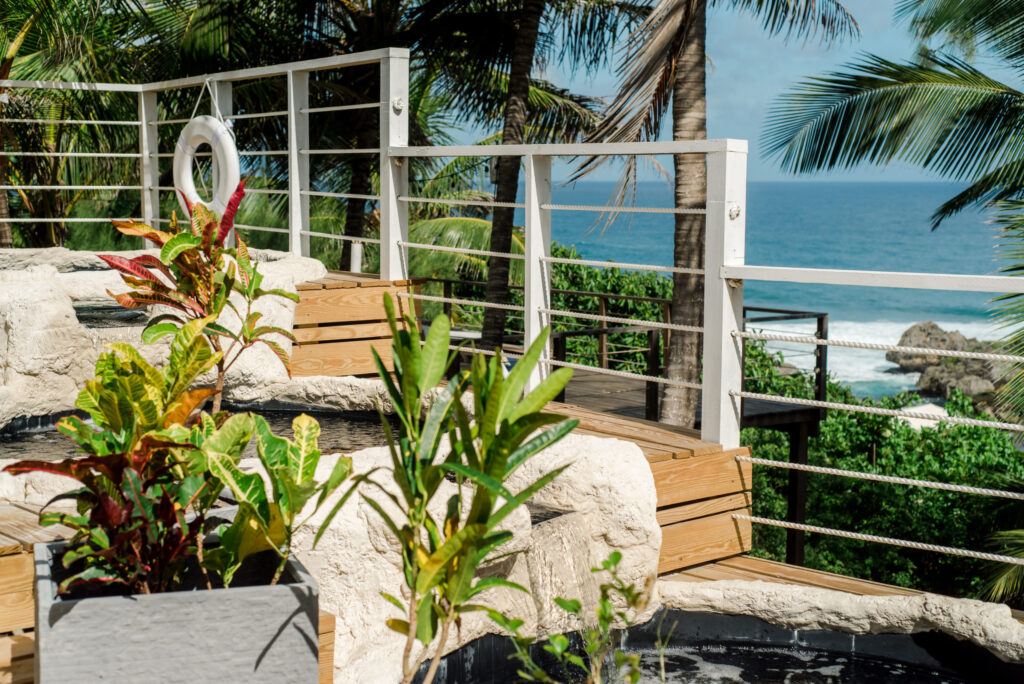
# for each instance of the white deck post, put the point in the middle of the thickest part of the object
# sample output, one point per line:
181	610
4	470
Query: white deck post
149	164
298	162
723	299
221	103
538	245
394	172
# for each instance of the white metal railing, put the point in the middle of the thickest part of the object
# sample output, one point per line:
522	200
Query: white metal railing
393	107
724	271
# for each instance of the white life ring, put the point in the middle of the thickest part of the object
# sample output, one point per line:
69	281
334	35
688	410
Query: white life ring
226	170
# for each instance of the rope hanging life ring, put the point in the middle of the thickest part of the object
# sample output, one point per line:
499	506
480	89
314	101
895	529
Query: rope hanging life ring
227	172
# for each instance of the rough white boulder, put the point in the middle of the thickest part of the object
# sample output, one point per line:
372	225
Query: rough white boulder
989	625
604	501
45	353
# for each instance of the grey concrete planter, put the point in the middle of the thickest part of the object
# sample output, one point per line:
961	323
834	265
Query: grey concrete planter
241	634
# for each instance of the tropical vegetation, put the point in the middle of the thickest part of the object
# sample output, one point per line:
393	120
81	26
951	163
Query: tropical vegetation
941	113
662	71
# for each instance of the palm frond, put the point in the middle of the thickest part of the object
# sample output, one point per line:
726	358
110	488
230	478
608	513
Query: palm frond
944	116
827	20
997	25
1008	580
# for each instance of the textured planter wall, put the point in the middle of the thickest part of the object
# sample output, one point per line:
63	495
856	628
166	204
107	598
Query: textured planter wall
242	634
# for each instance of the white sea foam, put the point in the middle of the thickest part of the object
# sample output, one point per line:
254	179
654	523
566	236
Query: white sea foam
866	371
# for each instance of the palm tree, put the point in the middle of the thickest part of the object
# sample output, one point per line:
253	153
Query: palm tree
663	64
532	109
73	40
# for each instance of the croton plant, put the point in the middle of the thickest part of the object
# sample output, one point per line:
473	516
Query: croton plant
152	464
200	273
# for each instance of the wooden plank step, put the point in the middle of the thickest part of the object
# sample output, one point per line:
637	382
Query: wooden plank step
702	540
335	333
699	509
681	445
686	480
781	572
340	358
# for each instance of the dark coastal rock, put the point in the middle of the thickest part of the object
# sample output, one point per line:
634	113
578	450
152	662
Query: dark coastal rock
927	335
940	375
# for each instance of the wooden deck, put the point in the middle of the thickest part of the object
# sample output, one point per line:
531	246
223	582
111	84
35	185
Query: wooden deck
699	486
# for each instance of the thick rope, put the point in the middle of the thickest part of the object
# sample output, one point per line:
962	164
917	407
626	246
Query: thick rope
615	264
461	302
622	210
621	374
956	420
891	479
461	203
807	339
460	250
921	546
624	321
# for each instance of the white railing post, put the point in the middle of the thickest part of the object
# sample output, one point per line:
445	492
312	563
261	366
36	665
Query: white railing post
537	229
723	299
221	103
298	162
149	163
394	172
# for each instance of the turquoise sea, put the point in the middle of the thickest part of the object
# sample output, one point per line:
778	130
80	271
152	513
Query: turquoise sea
817	224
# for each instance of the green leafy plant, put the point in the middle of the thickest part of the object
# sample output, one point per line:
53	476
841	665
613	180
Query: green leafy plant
131	526
267	520
196	275
440	558
598	637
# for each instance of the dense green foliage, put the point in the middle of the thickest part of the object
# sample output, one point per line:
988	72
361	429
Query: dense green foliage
975	456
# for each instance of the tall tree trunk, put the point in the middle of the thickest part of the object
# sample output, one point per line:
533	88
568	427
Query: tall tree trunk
508	168
689	122
6	234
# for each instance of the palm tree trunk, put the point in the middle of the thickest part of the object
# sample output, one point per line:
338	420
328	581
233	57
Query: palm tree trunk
689	118
6	234
508	168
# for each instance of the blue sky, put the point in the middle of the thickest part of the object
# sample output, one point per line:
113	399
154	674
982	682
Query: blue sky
749	70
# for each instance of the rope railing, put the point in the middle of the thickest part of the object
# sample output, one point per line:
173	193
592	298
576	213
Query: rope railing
852	344
460	250
889	479
353	150
74	122
460	203
624	321
461	302
71	187
336	236
87	155
622	210
879	411
616	264
339	108
920	546
339	195
622	374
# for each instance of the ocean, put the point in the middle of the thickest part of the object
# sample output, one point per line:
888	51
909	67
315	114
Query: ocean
844	225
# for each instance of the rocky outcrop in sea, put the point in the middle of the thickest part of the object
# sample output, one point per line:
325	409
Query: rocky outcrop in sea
940	375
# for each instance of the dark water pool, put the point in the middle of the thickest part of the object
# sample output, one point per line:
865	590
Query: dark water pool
343	432
705	648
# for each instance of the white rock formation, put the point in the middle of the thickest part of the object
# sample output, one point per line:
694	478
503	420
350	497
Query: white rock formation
46	354
990	625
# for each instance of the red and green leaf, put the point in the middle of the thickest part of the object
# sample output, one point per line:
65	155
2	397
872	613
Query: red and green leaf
227	221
